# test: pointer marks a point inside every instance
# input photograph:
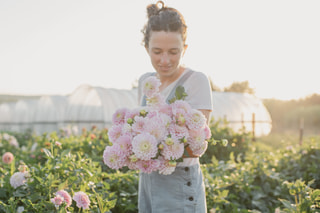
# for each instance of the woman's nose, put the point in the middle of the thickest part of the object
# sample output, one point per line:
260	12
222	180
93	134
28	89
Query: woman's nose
164	58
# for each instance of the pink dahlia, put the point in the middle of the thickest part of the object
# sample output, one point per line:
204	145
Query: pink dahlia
81	199
180	104
196	138
124	143
200	148
178	131
156	127
131	114
150	86
113	157
139	124
180	117
173	151
7	157
207	131
165	167
157	100
195	119
57	200
148	166
144	146
166	109
66	197
18	179
115	132
13	142
119	116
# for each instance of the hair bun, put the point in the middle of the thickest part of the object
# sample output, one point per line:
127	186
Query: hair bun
154	9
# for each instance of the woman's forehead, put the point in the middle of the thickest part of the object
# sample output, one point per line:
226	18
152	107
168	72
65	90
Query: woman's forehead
161	39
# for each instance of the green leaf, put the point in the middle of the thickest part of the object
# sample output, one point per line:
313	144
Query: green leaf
48	153
180	93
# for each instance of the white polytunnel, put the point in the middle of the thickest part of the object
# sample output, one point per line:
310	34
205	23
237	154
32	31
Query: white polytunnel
94	106
49	113
23	114
6	111
242	110
91	106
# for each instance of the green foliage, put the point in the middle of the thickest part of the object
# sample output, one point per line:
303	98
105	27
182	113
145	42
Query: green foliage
306	199
286	115
242	87
242	176
238	143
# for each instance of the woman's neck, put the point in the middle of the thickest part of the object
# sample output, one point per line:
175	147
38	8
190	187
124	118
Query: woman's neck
167	80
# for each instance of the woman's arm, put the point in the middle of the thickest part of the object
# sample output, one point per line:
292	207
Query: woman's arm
206	113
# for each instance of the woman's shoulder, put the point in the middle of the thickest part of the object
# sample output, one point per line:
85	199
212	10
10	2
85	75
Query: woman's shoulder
198	76
145	75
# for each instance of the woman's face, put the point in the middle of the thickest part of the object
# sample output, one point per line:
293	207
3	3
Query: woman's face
166	50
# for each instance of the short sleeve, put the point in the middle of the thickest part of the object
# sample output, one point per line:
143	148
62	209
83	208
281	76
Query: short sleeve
199	91
141	79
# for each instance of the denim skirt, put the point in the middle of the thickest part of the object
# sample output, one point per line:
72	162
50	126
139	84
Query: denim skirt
182	191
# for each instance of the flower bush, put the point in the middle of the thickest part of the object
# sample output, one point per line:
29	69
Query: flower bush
281	180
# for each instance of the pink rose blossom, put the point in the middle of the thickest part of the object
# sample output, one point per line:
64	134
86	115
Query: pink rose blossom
18	179
66	197
119	116
81	199
7	157
145	146
150	86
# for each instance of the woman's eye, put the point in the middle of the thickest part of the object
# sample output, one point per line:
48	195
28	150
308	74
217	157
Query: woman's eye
156	52
174	52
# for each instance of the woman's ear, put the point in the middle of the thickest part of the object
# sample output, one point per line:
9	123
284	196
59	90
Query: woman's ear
185	47
147	49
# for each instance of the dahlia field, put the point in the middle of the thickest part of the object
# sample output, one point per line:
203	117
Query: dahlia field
64	172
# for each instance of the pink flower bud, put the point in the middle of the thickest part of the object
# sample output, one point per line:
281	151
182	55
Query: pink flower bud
7	157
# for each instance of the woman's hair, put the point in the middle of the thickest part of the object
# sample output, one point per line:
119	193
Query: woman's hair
163	19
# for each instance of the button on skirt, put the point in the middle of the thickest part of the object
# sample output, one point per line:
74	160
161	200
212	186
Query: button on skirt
182	191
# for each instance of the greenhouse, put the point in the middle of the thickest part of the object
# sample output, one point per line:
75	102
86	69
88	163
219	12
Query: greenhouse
241	110
88	106
49	114
91	106
23	114
6	111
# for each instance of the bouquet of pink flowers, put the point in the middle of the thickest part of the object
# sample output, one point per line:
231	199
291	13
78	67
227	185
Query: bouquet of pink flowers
157	136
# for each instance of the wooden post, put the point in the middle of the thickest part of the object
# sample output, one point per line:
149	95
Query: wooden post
253	126
301	131
242	121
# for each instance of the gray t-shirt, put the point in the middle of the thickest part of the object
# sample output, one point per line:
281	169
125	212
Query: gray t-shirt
197	87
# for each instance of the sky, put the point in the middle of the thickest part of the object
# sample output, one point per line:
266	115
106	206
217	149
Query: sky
53	47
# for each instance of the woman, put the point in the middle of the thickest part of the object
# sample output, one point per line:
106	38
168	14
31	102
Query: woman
164	39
